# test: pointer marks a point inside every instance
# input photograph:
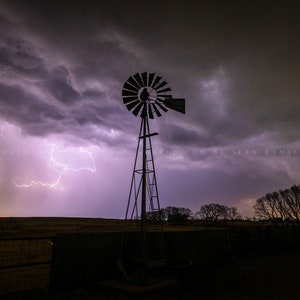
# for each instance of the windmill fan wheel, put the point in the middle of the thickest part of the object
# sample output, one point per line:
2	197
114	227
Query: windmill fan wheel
145	94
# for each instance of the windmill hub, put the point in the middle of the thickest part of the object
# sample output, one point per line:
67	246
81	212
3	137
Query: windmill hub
143	94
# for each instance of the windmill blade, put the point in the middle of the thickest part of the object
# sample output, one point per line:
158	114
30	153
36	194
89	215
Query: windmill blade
164	90
162	84
161	106
176	104
156	81
130	87
133	82
131	105
156	110
129	93
150	78
144	78
150	112
137	108
138	79
129	99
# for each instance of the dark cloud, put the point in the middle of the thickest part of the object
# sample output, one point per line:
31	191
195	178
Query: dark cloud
40	94
60	87
236	63
173	134
253	44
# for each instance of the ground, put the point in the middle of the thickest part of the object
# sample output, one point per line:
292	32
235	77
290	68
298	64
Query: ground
260	277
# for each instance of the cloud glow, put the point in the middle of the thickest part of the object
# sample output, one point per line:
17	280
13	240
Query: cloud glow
64	126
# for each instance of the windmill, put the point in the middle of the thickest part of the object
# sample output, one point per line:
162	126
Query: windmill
147	96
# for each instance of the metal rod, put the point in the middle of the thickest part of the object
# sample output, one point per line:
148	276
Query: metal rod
133	175
144	190
148	135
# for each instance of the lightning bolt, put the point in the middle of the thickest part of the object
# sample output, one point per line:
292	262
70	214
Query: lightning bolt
61	168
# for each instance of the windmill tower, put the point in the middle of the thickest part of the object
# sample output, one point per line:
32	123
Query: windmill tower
147	96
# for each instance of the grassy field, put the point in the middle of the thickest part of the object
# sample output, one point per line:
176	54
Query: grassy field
50	226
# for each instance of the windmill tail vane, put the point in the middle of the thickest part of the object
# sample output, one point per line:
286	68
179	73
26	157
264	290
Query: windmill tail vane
176	104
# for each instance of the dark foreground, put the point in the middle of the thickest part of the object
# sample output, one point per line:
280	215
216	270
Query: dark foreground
267	276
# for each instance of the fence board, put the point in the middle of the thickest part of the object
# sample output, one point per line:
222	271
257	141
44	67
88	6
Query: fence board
25	264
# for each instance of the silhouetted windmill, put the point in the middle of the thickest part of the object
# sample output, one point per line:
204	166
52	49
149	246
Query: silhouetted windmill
146	95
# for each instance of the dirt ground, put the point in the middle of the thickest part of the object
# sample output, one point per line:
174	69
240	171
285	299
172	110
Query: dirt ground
268	276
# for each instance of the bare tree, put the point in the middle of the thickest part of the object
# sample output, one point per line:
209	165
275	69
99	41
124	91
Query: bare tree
283	205
270	207
232	213
214	212
156	216
261	209
177	215
292	201
296	201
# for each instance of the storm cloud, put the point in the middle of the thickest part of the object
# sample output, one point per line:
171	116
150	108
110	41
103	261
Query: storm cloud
236	63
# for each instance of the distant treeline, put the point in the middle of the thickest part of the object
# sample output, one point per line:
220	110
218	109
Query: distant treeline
180	215
282	206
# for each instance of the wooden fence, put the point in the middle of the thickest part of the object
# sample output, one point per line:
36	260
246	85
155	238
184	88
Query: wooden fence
25	264
262	239
78	260
87	259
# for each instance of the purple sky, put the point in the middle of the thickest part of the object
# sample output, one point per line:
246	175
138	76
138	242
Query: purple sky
67	142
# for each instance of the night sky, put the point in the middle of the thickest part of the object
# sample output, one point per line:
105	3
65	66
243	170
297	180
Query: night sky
67	142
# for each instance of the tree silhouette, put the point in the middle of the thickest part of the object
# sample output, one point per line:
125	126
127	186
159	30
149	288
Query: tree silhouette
214	212
177	215
173	215
283	205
